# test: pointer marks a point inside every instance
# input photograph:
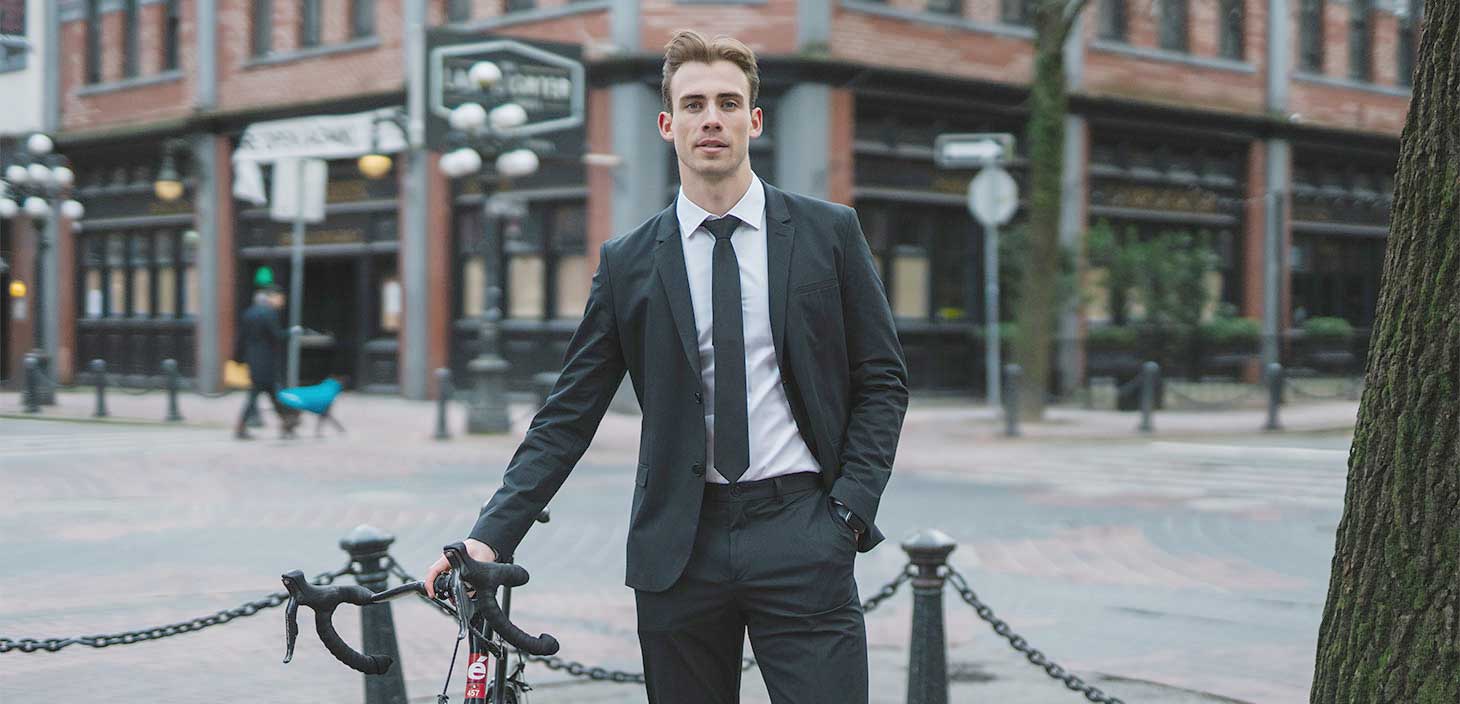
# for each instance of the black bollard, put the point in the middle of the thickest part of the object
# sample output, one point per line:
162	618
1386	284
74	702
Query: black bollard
443	392
32	392
1149	373
169	368
927	665
1274	395
369	550
1013	374
98	370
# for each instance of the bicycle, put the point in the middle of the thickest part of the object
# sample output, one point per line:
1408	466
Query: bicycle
470	588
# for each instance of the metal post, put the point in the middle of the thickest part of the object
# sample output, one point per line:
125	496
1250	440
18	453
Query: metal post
169	368
1149	372
369	549
98	370
32	377
45	393
296	282
1013	374
488	413
1274	395
991	313
443	392
927	666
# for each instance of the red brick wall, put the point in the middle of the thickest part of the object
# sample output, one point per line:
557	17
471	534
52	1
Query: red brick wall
839	169
1162	82
1335	40
1349	108
600	178
885	41
768	28
152	103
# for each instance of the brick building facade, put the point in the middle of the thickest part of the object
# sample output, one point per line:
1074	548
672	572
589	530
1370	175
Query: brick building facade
1183	117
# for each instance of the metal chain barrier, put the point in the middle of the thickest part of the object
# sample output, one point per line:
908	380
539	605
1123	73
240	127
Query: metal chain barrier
51	645
601	674
55	384
1350	389
1250	391
1034	656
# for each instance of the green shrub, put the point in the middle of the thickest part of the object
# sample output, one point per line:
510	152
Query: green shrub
1231	331
1327	328
1112	336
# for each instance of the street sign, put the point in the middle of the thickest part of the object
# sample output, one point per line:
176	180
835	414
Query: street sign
299	190
973	150
546	79
993	196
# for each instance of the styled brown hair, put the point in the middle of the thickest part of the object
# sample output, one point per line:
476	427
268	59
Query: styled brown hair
689	45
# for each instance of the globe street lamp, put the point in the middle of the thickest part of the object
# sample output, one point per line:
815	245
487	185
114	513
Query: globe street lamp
479	133
36	182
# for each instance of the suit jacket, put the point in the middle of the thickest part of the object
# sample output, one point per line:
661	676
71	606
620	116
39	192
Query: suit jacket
261	339
840	359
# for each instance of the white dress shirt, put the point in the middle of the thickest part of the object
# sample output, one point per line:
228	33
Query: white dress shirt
776	448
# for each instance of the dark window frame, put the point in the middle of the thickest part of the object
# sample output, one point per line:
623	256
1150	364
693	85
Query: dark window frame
1114	21
519	5
1175	29
1234	29
362	19
1020	12
171	34
458	10
311	25
947	8
1310	35
14	47
93	41
261	27
131	37
1361	41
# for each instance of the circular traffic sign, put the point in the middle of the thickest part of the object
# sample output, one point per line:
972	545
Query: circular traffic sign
993	196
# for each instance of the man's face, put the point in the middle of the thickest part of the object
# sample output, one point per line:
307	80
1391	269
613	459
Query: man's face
713	121
276	300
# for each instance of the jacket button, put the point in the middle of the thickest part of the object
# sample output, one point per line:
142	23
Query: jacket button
698	469
699	398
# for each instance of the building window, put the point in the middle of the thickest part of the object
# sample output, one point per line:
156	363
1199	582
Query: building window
13	46
362	18
137	274
1408	46
1174	25
309	23
93	41
1016	11
458	10
1310	35
952	8
1112	20
130	34
1360	41
172	24
520	5
1233	30
263	27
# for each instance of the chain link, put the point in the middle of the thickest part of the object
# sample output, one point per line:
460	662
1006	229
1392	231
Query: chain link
51	645
1250	391
1032	654
601	674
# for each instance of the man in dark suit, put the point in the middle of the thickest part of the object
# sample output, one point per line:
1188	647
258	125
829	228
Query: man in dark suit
761	348
260	345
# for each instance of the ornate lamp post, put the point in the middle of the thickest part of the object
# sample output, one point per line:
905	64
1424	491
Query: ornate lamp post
477	132
35	180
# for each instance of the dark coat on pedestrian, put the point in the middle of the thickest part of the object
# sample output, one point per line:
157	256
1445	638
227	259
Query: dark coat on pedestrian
840	361
261	340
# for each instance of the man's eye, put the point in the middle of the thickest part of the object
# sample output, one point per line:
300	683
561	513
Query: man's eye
692	106
729	104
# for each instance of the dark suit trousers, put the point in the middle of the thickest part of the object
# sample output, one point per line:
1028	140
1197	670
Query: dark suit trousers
774	561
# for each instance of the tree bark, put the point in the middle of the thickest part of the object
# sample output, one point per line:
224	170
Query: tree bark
1048	105
1391	625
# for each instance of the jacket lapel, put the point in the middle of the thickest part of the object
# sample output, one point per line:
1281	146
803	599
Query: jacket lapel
779	243
669	262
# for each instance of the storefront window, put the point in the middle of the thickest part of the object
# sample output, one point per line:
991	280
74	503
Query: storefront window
93	260
192	294
569	235
138	262
522	251
116	262
166	275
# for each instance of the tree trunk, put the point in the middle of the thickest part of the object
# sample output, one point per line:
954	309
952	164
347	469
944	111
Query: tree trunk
1391	626
1046	135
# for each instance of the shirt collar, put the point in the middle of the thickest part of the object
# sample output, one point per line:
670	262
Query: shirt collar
750	209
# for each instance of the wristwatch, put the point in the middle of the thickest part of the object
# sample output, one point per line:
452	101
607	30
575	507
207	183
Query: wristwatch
851	519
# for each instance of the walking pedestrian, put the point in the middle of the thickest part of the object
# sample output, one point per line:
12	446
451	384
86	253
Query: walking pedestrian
260	345
762	350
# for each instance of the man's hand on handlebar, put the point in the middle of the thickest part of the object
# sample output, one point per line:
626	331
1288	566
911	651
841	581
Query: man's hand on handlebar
476	549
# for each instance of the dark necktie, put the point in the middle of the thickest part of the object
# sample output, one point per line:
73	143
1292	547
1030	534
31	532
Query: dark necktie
732	427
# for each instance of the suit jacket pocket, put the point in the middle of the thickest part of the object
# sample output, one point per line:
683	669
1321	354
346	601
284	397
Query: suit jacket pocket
641	477
816	286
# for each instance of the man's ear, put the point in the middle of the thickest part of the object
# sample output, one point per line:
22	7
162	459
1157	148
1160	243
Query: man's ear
666	126
757	122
